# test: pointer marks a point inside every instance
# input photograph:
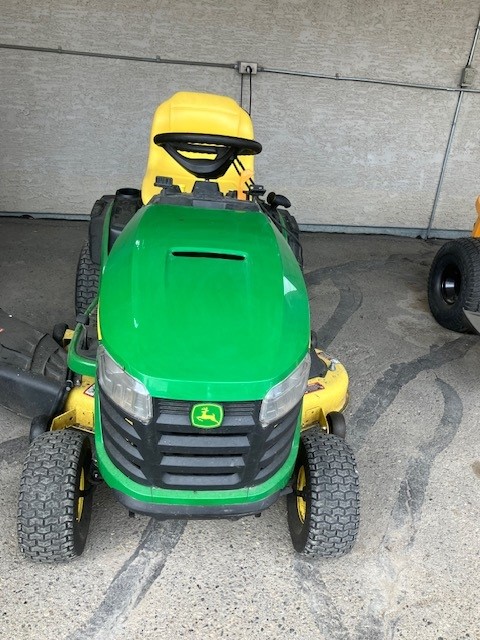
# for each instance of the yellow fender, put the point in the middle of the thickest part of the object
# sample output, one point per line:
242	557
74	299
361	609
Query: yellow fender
325	395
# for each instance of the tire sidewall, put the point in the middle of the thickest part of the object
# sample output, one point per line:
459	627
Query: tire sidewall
49	493
332	495
299	530
81	527
464	255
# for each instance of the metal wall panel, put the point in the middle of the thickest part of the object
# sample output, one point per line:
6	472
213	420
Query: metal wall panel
456	208
347	153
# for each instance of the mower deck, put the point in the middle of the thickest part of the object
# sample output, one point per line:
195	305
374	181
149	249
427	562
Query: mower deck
33	369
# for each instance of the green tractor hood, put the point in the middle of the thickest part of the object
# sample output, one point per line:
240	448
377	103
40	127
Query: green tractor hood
204	304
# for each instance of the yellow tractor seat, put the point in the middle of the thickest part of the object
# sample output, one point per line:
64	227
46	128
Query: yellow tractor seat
188	112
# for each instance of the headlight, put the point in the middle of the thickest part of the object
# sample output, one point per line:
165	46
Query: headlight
126	392
285	395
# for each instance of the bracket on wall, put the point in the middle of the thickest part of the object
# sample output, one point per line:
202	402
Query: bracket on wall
247	68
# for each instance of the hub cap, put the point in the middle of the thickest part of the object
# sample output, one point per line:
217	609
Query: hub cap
300	487
81	499
450	284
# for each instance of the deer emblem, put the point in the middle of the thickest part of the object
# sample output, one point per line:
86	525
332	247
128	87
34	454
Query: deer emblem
207	415
204	415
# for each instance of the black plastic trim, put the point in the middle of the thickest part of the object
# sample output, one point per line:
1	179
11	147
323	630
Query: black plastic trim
27	393
225	150
195	512
208	254
172	454
318	368
125	205
191	200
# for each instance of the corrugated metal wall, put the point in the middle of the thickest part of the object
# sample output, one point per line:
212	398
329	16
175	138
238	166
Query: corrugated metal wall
346	153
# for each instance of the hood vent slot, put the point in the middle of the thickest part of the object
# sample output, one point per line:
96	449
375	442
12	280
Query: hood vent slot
208	254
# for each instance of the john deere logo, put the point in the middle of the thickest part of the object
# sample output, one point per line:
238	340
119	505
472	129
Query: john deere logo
206	416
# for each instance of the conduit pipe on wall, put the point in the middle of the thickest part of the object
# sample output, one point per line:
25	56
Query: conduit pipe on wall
393	83
235	65
116	56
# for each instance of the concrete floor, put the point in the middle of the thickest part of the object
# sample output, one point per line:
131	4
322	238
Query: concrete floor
413	423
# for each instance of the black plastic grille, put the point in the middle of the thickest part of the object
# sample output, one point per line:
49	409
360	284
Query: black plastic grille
171	453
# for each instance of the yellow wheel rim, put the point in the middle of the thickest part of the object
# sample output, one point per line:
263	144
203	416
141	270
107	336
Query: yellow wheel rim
81	499
301	502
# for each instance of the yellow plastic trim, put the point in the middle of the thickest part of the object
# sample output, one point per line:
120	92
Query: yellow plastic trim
188	112
476	226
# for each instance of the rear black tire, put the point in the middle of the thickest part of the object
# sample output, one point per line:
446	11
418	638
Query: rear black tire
324	513
55	502
86	285
292	234
454	284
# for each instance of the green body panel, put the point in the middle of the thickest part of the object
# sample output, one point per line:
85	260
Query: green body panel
197	328
201	328
119	481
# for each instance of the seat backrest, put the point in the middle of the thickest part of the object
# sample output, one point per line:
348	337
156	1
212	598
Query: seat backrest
187	112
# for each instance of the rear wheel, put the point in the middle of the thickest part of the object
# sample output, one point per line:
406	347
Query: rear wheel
292	233
86	285
324	508
454	284
55	500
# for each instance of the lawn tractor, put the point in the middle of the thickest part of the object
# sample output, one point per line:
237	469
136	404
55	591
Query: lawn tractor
190	384
454	282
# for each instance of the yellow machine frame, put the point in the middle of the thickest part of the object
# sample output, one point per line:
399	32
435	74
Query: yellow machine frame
325	395
79	407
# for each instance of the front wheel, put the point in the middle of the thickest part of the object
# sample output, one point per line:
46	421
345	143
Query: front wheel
454	284
55	500
324	508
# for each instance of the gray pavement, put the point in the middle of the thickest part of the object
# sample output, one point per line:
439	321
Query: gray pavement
413	423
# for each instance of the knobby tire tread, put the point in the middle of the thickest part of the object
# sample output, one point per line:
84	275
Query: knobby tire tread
86	288
47	527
